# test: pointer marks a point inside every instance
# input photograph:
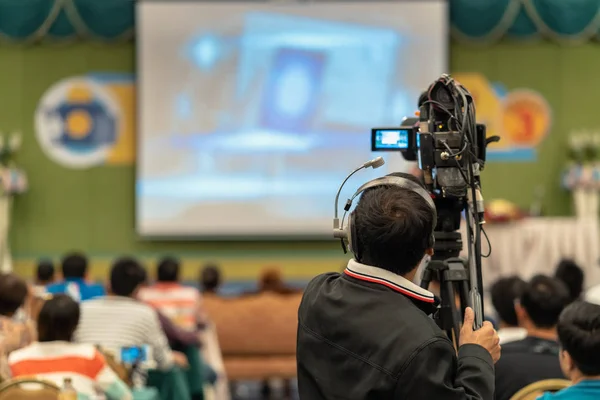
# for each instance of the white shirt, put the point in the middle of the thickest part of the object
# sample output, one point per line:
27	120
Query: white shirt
592	295
508	335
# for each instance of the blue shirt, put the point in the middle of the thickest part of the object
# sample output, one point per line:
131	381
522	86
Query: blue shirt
78	289
584	390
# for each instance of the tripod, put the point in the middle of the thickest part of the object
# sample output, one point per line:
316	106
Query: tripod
453	279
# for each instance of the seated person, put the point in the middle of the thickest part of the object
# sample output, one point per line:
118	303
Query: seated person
182	304
579	337
271	280
55	357
572	276
74	269
44	276
14	334
504	293
210	279
534	358
120	320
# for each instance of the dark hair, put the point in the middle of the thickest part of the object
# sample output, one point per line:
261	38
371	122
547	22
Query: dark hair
58	319
579	334
44	271
544	298
125	276
393	226
74	266
168	270
13	292
210	278
572	276
504	292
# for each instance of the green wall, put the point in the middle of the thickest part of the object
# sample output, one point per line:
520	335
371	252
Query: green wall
93	210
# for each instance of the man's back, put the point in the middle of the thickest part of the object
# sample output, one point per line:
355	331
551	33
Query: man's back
114	322
526	361
363	340
78	289
178	302
584	390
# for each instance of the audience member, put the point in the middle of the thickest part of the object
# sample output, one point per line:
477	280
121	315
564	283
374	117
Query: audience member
504	293
74	269
572	276
579	337
44	276
536	357
55	357
271	280
13	334
120	320
182	304
178	338
210	279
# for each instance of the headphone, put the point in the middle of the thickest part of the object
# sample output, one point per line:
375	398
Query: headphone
348	233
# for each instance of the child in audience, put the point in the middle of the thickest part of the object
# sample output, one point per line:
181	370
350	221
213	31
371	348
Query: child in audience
571	275
55	357
14	334
579	337
75	269
44	276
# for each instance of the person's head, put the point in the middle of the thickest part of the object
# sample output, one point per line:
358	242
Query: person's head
13	292
271	279
58	319
126	277
210	278
572	276
579	336
504	293
44	273
393	226
168	270
74	266
541	303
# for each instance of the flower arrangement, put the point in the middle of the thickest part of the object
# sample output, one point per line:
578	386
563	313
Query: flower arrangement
582	173
13	181
583	168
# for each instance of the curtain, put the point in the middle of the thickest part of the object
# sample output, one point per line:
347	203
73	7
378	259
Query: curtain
475	21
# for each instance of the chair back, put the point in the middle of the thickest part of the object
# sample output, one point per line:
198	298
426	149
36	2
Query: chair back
122	372
536	389
28	389
262	324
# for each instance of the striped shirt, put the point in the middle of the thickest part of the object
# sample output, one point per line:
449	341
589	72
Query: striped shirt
114	322
55	361
181	304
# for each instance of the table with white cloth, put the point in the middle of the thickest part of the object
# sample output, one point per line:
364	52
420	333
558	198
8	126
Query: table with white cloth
535	246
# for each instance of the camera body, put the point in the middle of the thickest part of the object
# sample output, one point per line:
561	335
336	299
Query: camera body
444	139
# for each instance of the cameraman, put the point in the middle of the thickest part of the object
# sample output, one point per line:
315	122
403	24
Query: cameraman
366	334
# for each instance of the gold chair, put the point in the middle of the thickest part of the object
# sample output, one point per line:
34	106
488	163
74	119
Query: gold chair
40	390
536	389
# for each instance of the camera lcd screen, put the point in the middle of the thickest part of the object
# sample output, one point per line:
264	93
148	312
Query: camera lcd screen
390	139
134	354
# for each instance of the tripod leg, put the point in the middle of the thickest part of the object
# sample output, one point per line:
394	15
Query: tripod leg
451	296
465	299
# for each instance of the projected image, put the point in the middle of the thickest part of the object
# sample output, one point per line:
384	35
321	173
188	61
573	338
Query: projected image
250	116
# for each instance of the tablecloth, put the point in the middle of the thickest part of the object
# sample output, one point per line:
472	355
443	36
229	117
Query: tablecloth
536	245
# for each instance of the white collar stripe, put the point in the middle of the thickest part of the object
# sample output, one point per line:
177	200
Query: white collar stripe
388	279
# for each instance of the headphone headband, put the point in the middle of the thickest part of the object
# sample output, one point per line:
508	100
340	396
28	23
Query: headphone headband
347	233
399	182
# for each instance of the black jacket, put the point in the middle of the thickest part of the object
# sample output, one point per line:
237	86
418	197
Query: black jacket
365	334
526	361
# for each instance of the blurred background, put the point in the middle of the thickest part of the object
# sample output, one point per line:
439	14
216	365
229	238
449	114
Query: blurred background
219	132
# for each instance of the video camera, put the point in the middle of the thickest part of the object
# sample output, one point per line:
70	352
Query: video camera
450	148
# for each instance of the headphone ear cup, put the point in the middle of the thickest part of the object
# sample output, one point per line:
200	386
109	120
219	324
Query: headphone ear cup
353	237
